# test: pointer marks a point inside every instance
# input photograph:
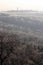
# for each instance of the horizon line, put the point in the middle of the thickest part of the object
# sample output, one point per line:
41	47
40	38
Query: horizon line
20	10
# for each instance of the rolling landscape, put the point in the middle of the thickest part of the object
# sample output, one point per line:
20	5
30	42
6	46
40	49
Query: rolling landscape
24	21
21	37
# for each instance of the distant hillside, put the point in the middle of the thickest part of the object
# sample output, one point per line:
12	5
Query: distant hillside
25	21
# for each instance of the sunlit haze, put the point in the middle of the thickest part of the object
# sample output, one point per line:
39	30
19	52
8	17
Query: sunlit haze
21	5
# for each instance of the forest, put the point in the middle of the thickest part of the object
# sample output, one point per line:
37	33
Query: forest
20	49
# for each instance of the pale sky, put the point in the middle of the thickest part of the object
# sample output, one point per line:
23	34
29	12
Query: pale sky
21	4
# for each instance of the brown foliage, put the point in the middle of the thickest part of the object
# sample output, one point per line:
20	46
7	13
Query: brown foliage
13	52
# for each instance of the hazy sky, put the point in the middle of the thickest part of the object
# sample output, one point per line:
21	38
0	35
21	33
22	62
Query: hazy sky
21	4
